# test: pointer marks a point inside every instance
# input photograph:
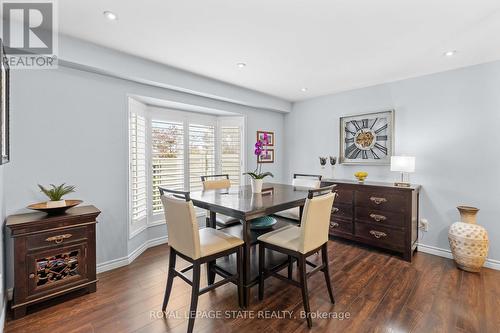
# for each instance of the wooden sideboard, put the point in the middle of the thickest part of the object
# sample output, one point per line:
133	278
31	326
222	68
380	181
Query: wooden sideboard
53	255
377	214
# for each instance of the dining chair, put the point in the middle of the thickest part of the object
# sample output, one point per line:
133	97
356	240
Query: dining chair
300	242
300	180
218	182
197	247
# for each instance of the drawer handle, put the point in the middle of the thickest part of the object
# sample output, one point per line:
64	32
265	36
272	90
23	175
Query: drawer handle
334	224
334	210
59	238
378	218
378	234
378	200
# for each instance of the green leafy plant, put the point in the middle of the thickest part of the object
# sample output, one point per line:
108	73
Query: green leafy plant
55	193
259	175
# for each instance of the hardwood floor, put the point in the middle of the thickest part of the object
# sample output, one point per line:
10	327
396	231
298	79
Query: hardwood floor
381	293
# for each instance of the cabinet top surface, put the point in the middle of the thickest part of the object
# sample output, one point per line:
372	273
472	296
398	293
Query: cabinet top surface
412	187
21	219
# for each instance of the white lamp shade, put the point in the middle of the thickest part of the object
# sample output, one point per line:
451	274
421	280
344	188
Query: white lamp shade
403	163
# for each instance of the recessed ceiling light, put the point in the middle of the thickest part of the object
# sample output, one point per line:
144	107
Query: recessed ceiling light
110	15
303	89
241	65
450	53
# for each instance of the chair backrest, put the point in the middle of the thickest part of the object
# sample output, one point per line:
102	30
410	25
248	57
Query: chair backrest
305	180
316	218
182	227
215	182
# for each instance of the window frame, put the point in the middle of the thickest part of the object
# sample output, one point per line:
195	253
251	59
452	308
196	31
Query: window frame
154	113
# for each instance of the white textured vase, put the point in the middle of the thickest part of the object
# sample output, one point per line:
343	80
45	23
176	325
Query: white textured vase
257	185
56	204
468	241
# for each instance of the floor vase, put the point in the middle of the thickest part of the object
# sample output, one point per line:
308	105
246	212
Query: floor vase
468	241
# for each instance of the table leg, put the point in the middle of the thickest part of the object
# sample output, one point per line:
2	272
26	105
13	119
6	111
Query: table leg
210	265
247	238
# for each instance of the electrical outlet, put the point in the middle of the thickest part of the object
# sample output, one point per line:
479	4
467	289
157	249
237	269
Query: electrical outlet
423	225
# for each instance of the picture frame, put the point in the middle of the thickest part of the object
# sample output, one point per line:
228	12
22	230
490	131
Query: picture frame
270	137
4	107
367	138
269	158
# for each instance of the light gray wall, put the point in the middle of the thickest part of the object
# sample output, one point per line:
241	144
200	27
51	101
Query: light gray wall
449	121
70	126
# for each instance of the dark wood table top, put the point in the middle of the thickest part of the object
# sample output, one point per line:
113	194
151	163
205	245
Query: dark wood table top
240	202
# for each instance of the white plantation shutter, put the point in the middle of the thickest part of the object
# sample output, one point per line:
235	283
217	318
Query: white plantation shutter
201	154
230	153
167	159
138	172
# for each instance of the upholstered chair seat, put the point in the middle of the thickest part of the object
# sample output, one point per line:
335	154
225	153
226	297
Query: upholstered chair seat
212	182
197	247
303	181
215	241
300	242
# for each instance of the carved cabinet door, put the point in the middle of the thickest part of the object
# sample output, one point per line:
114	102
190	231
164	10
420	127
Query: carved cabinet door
56	267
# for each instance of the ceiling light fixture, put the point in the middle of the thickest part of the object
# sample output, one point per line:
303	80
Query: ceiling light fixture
241	65
303	89
110	15
450	53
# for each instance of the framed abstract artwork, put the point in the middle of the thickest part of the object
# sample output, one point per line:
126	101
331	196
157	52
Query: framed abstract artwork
266	157
4	107
270	136
367	138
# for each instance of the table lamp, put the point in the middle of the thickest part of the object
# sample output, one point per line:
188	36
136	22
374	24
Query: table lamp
405	165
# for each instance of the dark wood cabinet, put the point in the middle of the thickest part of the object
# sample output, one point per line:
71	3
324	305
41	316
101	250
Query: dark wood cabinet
53	255
377	214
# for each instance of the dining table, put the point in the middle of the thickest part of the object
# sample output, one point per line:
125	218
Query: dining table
240	203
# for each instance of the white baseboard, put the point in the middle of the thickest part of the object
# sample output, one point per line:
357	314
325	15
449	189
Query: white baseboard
119	262
437	251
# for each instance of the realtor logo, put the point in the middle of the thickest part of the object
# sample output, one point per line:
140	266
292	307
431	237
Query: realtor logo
29	34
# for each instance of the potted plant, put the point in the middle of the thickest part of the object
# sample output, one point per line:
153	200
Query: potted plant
55	194
257	175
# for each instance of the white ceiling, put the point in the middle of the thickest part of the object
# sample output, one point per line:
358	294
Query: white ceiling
326	46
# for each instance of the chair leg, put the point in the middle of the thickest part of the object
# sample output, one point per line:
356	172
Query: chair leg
326	271
262	265
170	278
303	287
239	268
194	296
290	267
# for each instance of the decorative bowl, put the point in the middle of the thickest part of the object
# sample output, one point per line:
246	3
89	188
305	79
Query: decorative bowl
264	222
44	207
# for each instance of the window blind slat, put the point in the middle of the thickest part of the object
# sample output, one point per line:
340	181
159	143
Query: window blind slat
138	176
230	155
167	158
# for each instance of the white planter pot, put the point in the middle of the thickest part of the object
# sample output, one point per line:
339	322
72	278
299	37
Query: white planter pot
257	185
55	204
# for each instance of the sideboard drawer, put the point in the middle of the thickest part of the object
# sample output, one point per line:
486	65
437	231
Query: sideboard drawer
51	238
339	226
380	236
342	210
344	196
381	200
380	217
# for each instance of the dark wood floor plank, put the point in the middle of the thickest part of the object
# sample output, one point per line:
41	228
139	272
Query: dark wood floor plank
381	293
